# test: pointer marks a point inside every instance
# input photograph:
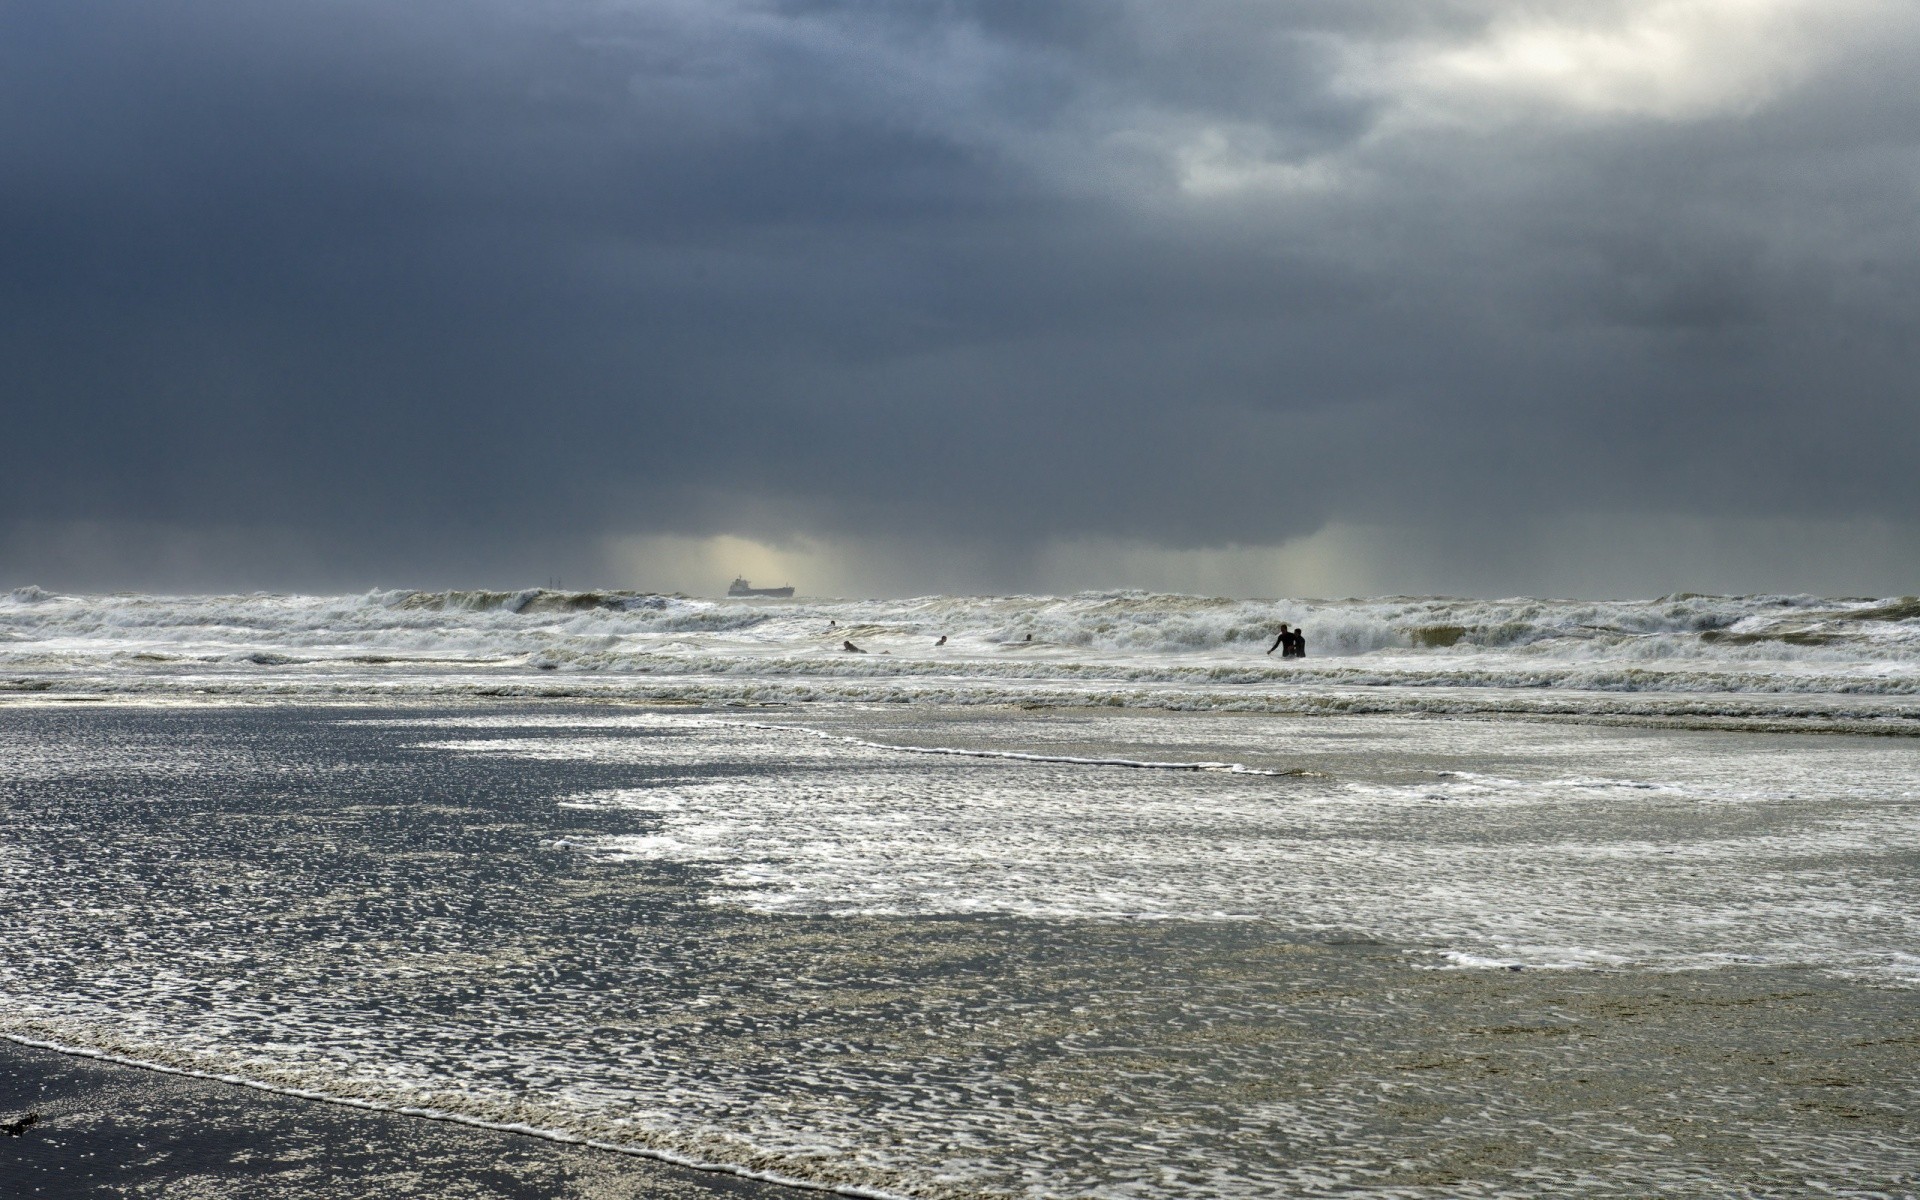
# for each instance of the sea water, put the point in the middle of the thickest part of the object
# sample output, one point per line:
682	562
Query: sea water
1684	657
1579	902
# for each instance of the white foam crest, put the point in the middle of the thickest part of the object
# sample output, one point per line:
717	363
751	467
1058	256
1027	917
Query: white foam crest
1093	648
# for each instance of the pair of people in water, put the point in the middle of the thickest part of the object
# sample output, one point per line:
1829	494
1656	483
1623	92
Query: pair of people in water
1291	643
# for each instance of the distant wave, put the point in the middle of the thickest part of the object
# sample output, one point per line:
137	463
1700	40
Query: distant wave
1101	648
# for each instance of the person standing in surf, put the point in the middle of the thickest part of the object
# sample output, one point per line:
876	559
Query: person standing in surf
1284	638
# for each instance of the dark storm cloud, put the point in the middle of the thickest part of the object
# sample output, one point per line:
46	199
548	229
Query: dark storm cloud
472	274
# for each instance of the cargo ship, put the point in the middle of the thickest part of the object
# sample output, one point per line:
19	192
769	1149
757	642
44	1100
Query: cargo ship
742	588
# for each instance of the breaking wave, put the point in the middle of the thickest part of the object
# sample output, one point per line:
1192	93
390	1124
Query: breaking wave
1124	647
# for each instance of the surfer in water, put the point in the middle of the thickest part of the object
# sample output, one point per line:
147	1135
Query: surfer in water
942	641
851	648
1291	643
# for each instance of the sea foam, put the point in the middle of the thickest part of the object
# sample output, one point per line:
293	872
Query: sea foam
1818	657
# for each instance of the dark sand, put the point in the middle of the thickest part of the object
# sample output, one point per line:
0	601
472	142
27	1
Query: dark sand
111	1130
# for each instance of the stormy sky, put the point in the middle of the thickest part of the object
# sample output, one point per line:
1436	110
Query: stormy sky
1604	297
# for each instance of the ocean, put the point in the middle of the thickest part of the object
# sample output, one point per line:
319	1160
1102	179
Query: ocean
1494	898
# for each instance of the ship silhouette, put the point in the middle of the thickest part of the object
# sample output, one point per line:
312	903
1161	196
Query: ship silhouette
742	588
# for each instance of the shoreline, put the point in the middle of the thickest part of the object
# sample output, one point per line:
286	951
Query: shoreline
431	909
112	1124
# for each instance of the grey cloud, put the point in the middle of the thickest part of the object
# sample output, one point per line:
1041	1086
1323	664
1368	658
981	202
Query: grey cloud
492	274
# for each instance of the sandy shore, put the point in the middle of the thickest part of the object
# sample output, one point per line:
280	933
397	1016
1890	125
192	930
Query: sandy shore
110	1130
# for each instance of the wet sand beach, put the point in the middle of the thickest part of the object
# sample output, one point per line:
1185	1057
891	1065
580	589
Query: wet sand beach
105	1129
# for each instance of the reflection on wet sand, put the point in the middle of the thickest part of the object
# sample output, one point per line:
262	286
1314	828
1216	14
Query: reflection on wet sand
934	975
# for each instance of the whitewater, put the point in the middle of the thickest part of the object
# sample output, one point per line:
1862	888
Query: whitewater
1092	899
1684	657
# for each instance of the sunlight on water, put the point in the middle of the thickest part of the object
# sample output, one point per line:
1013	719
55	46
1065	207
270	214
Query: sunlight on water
743	942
